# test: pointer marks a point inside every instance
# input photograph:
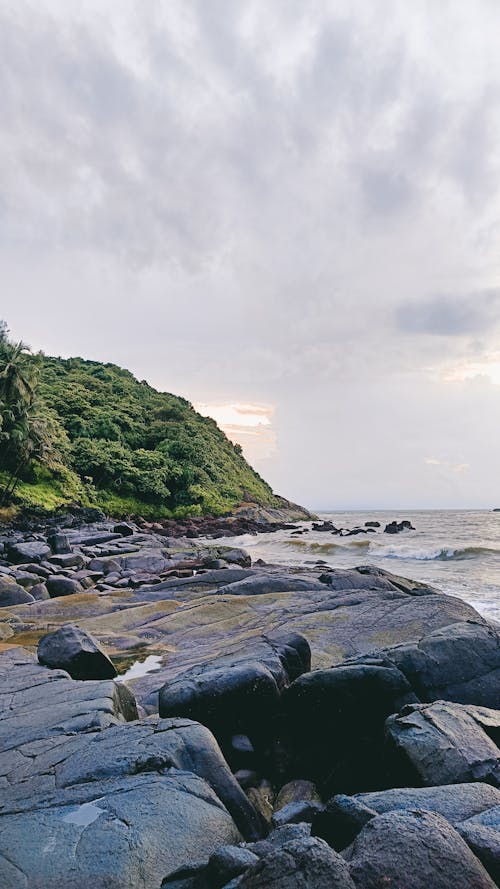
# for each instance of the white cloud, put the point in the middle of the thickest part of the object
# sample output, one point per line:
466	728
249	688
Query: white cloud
294	204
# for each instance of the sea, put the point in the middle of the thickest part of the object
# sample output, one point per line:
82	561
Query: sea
456	551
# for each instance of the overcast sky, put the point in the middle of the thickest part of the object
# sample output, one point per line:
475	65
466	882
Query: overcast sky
287	212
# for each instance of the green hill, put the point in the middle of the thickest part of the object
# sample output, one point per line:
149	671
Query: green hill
127	448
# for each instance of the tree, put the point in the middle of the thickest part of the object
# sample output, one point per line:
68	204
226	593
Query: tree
28	430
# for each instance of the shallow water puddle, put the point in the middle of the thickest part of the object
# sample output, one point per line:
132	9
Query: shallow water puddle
141	668
85	814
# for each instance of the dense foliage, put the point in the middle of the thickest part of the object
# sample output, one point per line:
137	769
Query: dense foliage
29	431
111	440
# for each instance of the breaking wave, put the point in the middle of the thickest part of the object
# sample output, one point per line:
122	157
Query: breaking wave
310	546
442	554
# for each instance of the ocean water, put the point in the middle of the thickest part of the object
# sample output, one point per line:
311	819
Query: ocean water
456	551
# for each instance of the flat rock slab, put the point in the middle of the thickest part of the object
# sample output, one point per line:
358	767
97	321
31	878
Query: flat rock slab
188	621
124	833
38	703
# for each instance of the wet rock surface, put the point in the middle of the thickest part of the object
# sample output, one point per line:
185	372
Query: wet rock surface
254	705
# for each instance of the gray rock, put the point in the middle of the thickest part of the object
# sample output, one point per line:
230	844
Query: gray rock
27	551
58	542
455	802
229	862
42	704
157	745
444	743
238	695
417	850
262	585
279	837
335	720
72	649
187	878
123	529
96	538
298	864
126	833
235	556
295	791
39	592
456	663
58	585
67	560
13	594
296	813
485	844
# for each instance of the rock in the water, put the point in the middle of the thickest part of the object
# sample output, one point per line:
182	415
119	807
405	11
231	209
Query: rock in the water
13	594
396	527
414	850
77	652
444	743
299	864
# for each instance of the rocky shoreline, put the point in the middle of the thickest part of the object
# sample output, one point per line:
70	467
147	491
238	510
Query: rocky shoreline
174	715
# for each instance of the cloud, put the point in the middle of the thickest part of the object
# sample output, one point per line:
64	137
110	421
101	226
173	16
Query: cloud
451	316
280	204
446	464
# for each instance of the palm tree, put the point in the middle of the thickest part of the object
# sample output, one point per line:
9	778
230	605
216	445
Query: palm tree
27	430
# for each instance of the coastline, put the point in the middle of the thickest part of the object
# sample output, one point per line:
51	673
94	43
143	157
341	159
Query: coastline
311	679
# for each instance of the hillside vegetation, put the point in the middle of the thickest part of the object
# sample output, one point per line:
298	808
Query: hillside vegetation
100	437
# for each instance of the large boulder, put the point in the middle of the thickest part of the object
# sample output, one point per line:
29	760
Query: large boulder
242	698
122	833
455	663
301	863
72	649
156	745
414	850
335	721
444	743
239	694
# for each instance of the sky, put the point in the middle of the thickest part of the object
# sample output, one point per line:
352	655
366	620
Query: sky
286	212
